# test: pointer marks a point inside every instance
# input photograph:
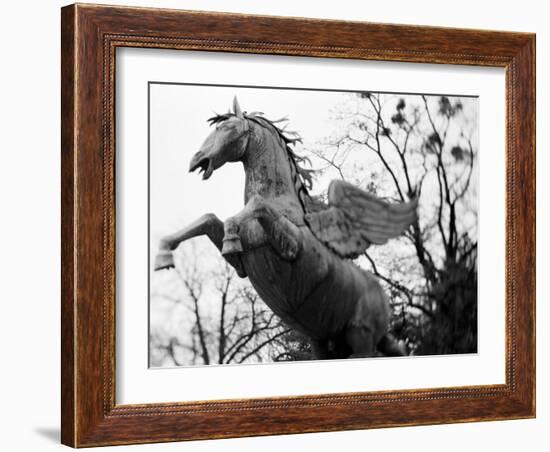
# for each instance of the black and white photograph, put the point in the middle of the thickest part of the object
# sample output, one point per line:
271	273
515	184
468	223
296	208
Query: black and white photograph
275	226
292	224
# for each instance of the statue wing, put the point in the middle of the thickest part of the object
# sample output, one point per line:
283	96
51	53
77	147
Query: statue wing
355	219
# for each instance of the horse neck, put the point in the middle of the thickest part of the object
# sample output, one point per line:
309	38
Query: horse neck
267	166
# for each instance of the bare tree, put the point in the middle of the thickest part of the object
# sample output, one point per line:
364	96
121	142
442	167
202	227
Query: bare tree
423	149
223	320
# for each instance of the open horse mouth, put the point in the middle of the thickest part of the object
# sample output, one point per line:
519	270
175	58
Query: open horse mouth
204	165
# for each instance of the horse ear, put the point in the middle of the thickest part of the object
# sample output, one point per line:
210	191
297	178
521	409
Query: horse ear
237	108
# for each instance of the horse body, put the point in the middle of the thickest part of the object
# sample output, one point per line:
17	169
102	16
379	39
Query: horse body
317	293
319	300
339	306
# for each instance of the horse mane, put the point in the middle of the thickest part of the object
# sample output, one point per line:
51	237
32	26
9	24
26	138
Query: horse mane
301	176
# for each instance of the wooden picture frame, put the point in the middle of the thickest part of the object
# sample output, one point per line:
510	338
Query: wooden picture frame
90	35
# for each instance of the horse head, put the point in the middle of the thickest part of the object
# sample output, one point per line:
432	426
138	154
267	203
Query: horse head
226	143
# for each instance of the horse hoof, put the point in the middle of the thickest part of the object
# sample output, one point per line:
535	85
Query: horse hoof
164	260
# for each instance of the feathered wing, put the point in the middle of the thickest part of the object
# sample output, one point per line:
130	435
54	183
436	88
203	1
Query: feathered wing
355	219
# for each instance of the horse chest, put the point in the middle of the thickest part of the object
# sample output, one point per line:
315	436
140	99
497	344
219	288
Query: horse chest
272	278
252	234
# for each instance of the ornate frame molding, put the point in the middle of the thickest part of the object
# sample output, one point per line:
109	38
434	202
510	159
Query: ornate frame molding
90	37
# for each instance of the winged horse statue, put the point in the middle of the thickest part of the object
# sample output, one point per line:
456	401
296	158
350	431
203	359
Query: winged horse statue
297	252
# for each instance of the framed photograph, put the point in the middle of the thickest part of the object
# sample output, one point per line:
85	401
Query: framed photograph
281	225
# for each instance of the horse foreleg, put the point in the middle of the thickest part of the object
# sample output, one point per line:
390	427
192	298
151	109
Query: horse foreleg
282	234
209	225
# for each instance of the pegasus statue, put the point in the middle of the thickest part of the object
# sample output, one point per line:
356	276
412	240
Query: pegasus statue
297	252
